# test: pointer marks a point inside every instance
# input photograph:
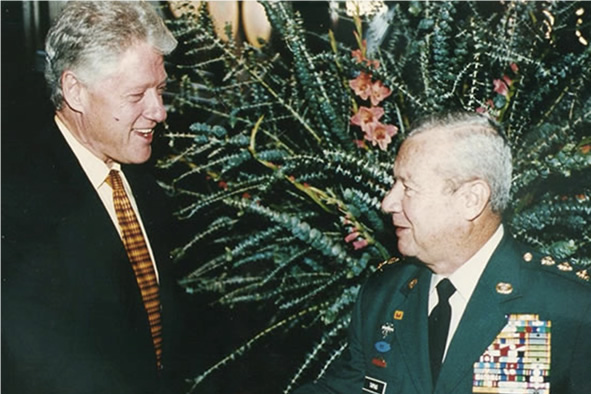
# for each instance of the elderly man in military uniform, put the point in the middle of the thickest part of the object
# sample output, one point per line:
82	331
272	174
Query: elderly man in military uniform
469	310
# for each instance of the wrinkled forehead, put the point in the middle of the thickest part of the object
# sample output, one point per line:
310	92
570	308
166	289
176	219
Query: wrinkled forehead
422	149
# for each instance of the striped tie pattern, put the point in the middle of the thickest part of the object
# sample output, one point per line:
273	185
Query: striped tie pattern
138	254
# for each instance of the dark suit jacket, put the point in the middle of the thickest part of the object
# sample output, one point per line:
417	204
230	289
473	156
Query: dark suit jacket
73	320
561	297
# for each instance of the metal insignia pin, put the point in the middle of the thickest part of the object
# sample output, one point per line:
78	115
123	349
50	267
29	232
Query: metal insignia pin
413	283
504	288
547	260
398	314
583	274
387	329
528	257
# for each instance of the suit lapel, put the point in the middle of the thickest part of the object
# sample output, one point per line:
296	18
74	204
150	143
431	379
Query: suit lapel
79	205
98	243
412	331
483	318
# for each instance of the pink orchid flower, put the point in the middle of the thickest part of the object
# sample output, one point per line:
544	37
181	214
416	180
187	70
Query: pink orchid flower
360	144
362	243
379	92
357	54
381	134
500	87
367	117
361	85
514	68
351	237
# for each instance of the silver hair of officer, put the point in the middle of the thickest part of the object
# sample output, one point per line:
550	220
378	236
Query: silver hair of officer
479	150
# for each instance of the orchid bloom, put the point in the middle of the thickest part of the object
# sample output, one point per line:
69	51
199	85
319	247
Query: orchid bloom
357	54
500	87
514	68
378	92
351	237
381	134
367	117
360	144
362	85
362	243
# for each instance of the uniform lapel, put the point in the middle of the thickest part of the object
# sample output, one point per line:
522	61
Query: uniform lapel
412	329
483	318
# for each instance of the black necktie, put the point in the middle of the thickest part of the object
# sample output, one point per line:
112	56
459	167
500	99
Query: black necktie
439	326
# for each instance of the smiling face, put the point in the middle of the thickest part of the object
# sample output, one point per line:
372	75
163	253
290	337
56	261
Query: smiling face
118	112
427	215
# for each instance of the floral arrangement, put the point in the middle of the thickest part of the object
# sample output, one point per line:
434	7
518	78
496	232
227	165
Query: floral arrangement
368	117
279	155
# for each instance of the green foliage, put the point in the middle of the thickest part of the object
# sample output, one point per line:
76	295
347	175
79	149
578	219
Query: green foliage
286	204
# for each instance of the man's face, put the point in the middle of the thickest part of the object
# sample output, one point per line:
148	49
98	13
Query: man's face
425	213
120	110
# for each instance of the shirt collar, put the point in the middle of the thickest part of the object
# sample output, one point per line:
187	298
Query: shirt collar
466	277
96	169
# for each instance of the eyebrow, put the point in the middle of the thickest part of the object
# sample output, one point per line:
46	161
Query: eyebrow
407	181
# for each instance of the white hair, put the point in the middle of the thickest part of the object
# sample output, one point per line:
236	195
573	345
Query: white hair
479	150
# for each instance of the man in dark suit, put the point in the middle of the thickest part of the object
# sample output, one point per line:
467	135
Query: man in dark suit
469	309
80	313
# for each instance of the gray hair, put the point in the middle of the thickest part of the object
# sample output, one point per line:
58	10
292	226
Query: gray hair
479	150
89	36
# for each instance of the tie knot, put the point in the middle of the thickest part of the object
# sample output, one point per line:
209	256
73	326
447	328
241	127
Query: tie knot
114	180
445	289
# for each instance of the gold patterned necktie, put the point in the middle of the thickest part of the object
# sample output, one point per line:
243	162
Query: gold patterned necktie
139	255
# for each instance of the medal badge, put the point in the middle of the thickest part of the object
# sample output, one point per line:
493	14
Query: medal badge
518	360
383	346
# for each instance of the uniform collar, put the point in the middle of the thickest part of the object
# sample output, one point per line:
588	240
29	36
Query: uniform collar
466	277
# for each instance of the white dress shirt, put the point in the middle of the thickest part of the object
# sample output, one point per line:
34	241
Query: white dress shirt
464	280
97	171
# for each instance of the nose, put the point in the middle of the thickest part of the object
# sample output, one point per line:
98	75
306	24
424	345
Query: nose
392	200
155	110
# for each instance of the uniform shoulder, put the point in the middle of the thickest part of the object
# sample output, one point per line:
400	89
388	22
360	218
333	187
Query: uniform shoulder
558	269
395	271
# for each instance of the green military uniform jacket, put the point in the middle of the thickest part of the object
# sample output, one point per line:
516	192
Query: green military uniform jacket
388	349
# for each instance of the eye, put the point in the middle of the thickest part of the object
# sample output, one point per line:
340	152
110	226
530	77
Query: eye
408	190
160	89
135	97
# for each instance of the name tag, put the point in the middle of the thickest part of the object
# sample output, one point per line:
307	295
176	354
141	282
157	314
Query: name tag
374	386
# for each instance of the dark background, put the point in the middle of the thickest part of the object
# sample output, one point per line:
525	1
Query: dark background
24	102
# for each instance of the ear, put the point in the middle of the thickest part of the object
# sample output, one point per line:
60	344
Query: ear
73	91
475	197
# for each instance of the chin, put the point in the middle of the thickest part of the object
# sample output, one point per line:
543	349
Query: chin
139	158
406	250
